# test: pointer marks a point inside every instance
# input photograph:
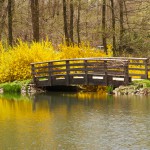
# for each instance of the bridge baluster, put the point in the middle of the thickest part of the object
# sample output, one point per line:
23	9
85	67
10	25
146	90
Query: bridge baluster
33	72
67	72
86	72
105	72
126	73
146	68
50	64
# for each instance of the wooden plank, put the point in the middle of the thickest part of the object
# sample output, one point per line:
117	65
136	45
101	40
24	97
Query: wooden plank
59	75
95	69
141	69
57	66
40	77
77	64
134	74
42	67
60	70
42	72
77	59
115	72
140	64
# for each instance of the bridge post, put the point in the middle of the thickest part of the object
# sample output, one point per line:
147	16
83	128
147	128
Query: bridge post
146	68
67	72
86	72
50	64
105	72
126	73
33	73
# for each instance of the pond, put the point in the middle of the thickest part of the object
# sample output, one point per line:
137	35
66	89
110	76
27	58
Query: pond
74	121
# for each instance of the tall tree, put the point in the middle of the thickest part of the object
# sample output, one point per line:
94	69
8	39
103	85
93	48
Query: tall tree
65	22
35	19
78	22
121	24
10	16
113	25
3	15
71	20
104	25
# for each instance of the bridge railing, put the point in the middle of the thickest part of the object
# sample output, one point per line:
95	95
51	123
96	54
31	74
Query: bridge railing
138	67
80	71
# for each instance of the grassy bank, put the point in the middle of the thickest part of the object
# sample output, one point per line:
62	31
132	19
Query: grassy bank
144	83
14	87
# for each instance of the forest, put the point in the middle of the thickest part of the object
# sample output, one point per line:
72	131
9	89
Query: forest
125	24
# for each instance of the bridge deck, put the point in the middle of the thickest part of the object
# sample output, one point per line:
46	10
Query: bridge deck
90	71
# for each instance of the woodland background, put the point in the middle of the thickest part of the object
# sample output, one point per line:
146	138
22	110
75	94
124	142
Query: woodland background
123	23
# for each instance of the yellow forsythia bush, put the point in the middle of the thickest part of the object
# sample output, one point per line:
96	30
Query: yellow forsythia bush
15	61
82	51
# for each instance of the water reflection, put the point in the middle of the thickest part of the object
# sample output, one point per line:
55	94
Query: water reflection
74	121
69	100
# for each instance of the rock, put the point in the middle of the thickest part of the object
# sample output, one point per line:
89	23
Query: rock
1	91
132	90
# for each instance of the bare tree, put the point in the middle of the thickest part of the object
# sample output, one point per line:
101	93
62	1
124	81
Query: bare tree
104	25
113	25
121	24
71	20
10	16
3	15
78	22
65	22
35	19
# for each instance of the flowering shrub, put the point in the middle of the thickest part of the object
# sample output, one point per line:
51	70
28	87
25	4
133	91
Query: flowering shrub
82	51
15	61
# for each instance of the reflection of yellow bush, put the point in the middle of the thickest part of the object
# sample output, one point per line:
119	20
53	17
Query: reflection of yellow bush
91	96
15	61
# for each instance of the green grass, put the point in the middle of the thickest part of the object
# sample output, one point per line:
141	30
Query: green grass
109	89
14	87
144	83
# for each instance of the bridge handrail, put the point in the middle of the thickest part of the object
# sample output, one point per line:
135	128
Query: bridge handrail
77	59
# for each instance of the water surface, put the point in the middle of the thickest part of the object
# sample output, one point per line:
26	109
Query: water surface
74	121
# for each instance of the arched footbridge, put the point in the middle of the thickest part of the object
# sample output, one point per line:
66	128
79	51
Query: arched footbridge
113	71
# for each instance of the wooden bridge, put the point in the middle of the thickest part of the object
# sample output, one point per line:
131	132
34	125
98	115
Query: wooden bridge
113	71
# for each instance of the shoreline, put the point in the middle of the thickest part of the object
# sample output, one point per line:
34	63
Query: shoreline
27	87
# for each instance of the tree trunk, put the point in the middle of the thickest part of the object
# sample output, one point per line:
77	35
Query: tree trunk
113	26
10	34
121	25
35	19
71	20
78	22
65	22
3	15
104	25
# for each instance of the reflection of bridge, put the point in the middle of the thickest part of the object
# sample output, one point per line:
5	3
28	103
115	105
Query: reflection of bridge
56	99
89	71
